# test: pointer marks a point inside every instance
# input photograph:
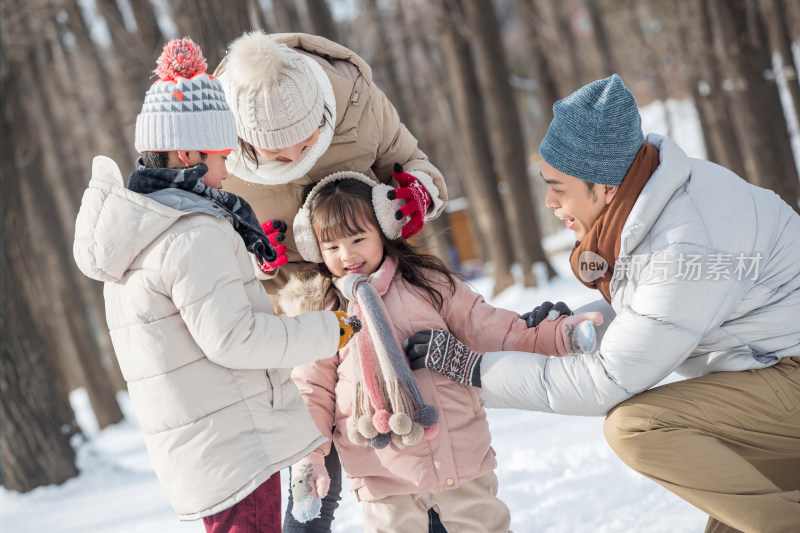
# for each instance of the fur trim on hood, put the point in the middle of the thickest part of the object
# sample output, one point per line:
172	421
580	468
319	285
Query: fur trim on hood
303	293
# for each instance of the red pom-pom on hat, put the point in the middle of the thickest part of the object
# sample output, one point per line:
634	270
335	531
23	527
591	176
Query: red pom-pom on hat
181	58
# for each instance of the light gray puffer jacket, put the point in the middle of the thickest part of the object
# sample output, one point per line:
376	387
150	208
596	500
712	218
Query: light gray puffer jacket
206	362
691	211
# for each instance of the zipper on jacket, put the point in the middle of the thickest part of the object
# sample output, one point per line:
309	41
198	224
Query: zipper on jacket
272	391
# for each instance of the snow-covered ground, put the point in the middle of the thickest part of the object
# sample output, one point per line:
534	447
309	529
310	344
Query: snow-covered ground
557	474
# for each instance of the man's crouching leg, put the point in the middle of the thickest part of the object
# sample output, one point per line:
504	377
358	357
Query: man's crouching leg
728	443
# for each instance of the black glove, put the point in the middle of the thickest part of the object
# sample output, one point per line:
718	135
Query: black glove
441	352
547	310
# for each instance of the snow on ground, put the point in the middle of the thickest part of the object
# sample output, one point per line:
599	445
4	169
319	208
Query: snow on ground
557	474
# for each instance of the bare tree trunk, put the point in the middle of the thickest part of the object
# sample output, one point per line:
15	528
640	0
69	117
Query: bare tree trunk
287	19
571	60
73	174
147	30
321	20
434	236
648	60
37	420
213	27
426	116
479	180
691	77
130	60
601	37
722	143
756	109
51	209
541	68
385	60
255	15
791	10
506	134
433	119
112	138
780	45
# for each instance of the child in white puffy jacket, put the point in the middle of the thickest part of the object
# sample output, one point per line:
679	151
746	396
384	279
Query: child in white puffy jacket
206	362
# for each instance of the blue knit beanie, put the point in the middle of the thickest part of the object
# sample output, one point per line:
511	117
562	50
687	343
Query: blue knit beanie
595	133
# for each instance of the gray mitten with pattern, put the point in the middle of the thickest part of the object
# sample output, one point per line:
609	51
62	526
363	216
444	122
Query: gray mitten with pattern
438	350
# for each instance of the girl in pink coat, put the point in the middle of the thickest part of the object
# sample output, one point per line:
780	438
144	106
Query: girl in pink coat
407	441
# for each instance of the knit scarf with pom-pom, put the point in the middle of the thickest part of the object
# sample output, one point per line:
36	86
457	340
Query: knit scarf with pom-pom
387	403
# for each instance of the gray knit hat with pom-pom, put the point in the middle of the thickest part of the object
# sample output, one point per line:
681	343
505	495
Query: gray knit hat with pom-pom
185	109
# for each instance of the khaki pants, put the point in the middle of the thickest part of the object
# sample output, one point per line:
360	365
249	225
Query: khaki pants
728	443
472	507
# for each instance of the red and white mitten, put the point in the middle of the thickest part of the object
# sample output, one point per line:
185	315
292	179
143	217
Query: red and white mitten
417	197
275	231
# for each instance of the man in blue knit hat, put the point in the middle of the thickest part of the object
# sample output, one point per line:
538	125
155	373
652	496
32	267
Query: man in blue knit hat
703	272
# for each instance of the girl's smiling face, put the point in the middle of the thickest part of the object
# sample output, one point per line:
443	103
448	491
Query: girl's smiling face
361	253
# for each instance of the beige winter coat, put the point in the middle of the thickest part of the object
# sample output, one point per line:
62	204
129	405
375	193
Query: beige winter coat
206	362
461	451
368	138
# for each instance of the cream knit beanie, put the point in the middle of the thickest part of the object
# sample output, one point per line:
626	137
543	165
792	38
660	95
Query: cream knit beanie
272	91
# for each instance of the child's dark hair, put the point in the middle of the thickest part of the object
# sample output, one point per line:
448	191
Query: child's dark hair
342	209
160	159
249	152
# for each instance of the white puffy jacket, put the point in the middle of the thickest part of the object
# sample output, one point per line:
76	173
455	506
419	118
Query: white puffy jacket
690	212
206	362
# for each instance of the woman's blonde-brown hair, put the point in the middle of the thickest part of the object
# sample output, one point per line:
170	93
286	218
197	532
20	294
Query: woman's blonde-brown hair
343	208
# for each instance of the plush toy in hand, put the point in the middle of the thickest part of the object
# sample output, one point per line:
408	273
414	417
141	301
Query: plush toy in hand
310	483
348	326
584	337
576	334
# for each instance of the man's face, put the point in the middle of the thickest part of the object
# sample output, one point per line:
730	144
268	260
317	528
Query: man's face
572	201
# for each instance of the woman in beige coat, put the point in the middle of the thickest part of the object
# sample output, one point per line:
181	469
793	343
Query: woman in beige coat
306	107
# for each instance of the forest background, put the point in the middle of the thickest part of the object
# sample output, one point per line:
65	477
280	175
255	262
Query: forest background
474	81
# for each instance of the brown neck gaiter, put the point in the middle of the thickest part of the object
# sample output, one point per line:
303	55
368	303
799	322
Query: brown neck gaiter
605	235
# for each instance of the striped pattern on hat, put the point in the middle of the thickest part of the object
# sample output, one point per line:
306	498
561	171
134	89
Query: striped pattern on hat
185	109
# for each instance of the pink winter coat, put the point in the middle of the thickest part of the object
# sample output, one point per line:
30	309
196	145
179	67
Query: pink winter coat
461	451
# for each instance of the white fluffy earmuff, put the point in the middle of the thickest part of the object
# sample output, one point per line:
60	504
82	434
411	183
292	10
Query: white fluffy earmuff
304	237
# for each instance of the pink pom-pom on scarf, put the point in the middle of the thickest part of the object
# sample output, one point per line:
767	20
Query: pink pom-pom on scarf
431	432
381	421
181	58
